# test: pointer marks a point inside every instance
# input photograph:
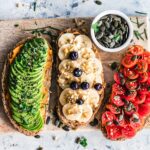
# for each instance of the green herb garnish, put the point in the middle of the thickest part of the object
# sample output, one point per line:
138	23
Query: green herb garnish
133	58
98	2
117	37
138	12
34	6
145	34
95	27
82	141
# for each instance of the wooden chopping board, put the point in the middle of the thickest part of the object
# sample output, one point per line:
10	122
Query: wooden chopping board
10	35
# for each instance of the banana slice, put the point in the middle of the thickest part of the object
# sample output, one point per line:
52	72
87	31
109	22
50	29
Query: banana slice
68	95
86	113
92	98
72	111
64	51
68	65
66	38
82	41
86	53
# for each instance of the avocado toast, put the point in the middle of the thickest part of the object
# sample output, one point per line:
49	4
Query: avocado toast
81	80
25	84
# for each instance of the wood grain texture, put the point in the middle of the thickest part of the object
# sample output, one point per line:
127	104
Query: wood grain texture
10	35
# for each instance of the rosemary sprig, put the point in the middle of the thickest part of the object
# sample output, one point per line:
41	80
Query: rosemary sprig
138	12
137	23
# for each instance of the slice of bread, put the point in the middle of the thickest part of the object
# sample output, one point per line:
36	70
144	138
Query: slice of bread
75	124
6	98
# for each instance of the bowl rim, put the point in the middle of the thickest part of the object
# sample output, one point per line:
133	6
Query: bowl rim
118	13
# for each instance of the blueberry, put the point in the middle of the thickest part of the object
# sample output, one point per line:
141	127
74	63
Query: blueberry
73	55
79	101
74	85
77	72
85	85
98	86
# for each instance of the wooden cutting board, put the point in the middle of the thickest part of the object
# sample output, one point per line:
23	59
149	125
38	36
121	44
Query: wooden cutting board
10	34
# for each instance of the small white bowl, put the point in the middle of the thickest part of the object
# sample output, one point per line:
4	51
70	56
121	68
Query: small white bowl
118	13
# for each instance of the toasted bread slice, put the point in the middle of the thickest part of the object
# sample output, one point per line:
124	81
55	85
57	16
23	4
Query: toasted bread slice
6	96
75	124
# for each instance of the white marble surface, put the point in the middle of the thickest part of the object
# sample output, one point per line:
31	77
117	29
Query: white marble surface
63	8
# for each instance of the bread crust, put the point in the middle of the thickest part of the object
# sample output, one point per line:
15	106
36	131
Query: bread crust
76	124
5	93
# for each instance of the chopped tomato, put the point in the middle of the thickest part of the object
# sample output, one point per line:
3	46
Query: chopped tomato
107	117
119	78
143	90
130	108
135	121
136	50
130	95
114	132
144	110
140	98
128	131
116	99
118	89
131	85
146	56
143	77
130	73
142	66
113	108
147	100
128	61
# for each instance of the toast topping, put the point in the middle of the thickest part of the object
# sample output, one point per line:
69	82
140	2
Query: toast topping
79	71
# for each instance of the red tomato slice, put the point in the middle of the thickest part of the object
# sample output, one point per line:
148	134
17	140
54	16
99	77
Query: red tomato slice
131	73
143	77
130	95
130	108
135	121
140	99
142	66
128	131
131	85
136	50
114	132
146	56
113	108
107	116
116	99
118	89
144	110
128	61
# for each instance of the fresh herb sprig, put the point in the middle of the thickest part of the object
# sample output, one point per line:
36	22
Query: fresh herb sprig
82	141
95	27
139	12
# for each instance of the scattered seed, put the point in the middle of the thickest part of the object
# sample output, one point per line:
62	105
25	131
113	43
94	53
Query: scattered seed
16	25
94	122
37	136
98	2
40	148
48	120
66	128
77	140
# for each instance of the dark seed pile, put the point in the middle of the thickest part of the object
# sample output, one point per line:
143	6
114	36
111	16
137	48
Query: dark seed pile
111	31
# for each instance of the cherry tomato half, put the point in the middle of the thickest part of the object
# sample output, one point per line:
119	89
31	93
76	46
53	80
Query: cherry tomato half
114	132
131	85
130	95
130	108
113	108
144	110
118	89
131	73
128	131
143	77
116	99
146	56
142	66
128	61
107	116
140	99
136	50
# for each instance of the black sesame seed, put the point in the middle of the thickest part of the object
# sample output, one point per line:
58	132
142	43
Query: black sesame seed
94	122
37	136
48	120
66	128
74	85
